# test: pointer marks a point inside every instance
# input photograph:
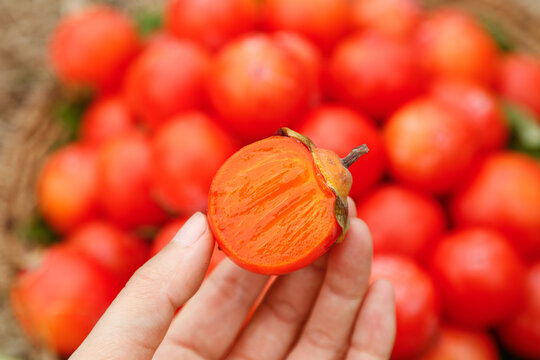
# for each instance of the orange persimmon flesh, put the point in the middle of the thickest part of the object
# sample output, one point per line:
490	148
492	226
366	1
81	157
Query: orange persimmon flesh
270	207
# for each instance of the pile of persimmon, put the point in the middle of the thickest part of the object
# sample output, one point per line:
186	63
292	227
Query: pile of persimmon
184	118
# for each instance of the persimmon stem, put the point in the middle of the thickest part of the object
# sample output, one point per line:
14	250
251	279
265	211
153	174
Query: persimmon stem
354	155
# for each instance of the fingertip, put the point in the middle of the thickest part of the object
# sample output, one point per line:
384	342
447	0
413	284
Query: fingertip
351	207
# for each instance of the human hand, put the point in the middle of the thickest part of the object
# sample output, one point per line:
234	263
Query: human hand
326	310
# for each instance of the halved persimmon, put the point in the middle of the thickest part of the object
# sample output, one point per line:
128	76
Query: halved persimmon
278	204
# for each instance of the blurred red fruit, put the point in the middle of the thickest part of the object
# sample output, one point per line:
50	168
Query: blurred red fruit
59	302
259	84
322	21
67	187
429	146
374	73
522	333
478	106
479	276
397	18
211	23
341	129
187	152
93	47
105	119
166	79
124	178
452	43
112	248
519	81
460	344
417	315
504	194
402	221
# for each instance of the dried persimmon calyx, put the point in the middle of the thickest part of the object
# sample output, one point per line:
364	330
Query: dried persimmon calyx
278	204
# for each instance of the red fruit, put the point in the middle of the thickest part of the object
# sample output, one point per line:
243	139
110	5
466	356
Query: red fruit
59	302
308	55
93	47
166	234
417	221
106	118
417	314
397	18
521	334
322	21
452	43
125	175
258	85
479	276
504	194
187	152
112	248
376	74
211	23
429	146
478	106
67	187
340	129
519	80
459	344
166	79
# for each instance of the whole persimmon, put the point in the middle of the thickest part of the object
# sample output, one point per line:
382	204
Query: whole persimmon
110	246
479	276
93	47
504	193
340	129
519	80
478	106
257	84
429	146
417	307
374	73
456	343
322	21
186	153
106	118
167	78
521	334
211	23
60	301
402	221
451	43
67	187
278	204
124	180
397	18
167	233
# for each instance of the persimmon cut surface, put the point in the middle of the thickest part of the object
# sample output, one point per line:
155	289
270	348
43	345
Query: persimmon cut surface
270	207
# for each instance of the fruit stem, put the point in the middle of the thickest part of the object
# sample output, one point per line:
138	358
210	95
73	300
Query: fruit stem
355	153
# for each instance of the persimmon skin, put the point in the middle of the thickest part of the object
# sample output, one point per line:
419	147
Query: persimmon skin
261	202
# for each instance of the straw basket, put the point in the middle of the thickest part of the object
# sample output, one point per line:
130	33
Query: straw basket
27	130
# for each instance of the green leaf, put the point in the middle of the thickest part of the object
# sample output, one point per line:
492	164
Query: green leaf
498	33
38	232
525	129
149	22
69	113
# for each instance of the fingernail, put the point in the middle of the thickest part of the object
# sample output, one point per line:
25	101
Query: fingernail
192	230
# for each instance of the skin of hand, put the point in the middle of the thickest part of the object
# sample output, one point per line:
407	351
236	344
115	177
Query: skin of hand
327	310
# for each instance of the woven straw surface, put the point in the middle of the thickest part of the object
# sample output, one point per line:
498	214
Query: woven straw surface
27	93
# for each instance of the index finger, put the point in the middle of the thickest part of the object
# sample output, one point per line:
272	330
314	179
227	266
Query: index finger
137	320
